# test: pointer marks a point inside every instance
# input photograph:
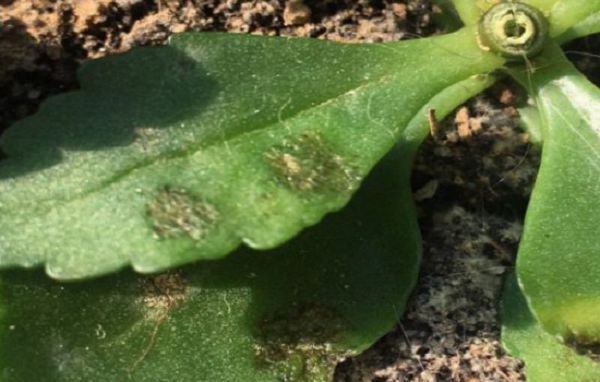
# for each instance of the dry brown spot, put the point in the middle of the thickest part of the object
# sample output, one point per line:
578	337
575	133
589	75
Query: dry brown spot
299	343
164	291
146	137
307	163
161	293
176	213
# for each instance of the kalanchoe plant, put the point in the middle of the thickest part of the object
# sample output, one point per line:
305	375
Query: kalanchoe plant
171	155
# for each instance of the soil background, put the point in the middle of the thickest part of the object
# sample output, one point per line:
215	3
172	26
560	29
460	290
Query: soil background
471	180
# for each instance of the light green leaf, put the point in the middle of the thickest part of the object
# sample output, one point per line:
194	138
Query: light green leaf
546	358
284	315
564	15
586	27
558	262
173	154
542	5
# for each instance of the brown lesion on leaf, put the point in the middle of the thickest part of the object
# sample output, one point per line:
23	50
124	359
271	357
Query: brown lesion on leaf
146	137
160	294
299	343
164	291
307	163
176	213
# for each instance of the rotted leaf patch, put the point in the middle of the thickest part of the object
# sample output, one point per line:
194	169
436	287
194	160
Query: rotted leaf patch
300	344
174	213
308	164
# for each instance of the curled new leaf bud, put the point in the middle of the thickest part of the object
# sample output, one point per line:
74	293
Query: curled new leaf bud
513	30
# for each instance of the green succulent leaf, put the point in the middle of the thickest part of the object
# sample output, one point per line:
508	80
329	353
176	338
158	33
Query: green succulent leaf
286	314
564	15
558	262
542	5
546	358
173	154
586	27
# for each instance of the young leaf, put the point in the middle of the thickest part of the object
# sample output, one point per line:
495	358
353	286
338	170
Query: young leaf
586	27
172	154
546	358
558	262
287	314
564	15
